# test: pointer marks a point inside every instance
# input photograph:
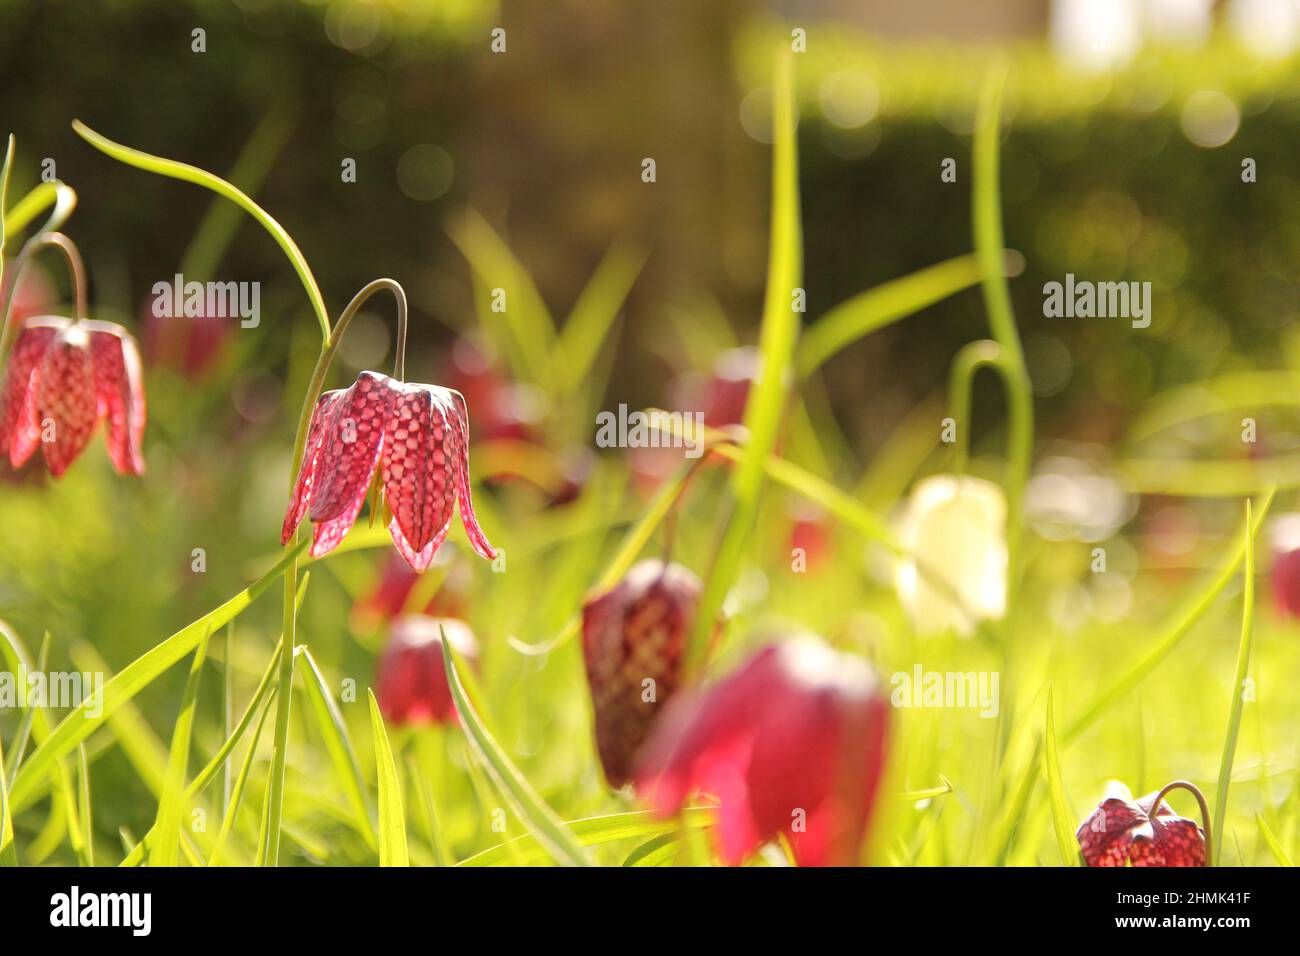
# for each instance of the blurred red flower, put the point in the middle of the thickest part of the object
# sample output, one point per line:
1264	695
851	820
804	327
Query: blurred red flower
63	378
791	742
411	684
1125	832
418	437
633	640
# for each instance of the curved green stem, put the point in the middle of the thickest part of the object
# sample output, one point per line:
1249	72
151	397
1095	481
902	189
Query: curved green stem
1205	812
60	195
76	268
201	177
987	222
973	356
275	801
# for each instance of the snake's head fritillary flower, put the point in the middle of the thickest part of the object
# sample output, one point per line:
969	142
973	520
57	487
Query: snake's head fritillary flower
633	641
1286	564
954	530
63	378
791	742
1127	832
411	685
417	436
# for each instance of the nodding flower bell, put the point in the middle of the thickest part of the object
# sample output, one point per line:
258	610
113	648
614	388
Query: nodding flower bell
634	642
411	684
1146	832
415	436
954	530
793	742
64	376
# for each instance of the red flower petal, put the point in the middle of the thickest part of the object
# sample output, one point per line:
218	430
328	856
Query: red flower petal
411	684
120	394
350	451
19	430
1123	832
419	446
418	560
66	399
460	461
302	489
793	742
635	632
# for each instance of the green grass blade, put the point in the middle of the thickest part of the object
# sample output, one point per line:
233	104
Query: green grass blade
200	177
593	315
241	783
83	803
338	743
1062	816
8	853
528	806
1238	691
777	339
132	679
657	851
166	846
878	307
1187	616
531	328
4	202
392	815
17	659
1274	844
593	831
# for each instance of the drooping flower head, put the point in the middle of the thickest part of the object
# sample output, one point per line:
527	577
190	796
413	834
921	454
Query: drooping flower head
417	436
633	642
791	742
63	378
954	529
1125	832
411	685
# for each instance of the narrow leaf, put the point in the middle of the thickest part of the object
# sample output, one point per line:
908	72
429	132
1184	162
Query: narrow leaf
1062	817
392	815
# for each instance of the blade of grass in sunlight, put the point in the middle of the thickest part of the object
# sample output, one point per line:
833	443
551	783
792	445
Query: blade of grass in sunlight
529	323
1062	815
878	307
1238	690
593	315
5	169
83	803
424	794
131	731
592	831
19	663
777	339
657	851
636	538
1274	845
338	744
392	815
8	852
1247	391
1210	479
166	848
137	675
241	782
530	808
1193	611
201	177
916	796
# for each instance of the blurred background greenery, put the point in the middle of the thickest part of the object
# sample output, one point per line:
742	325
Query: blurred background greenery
1127	125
